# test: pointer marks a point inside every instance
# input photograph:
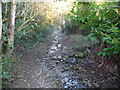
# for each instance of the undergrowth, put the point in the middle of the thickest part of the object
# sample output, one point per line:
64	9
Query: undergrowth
7	69
27	38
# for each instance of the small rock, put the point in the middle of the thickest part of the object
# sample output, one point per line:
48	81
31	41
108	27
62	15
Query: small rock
25	81
57	62
51	51
65	86
59	45
54	57
73	60
65	80
74	82
80	55
37	59
59	57
69	83
61	60
53	47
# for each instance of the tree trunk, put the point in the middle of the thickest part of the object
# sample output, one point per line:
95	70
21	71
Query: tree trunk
0	28
11	26
0	43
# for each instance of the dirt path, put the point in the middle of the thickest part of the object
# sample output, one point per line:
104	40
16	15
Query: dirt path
54	64
32	71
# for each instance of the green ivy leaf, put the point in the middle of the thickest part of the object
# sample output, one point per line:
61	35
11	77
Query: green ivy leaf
115	41
99	18
116	31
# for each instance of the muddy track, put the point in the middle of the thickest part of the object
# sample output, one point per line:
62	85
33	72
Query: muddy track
58	62
48	70
51	65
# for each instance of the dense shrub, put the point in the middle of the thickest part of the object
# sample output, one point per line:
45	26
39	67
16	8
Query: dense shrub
104	22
